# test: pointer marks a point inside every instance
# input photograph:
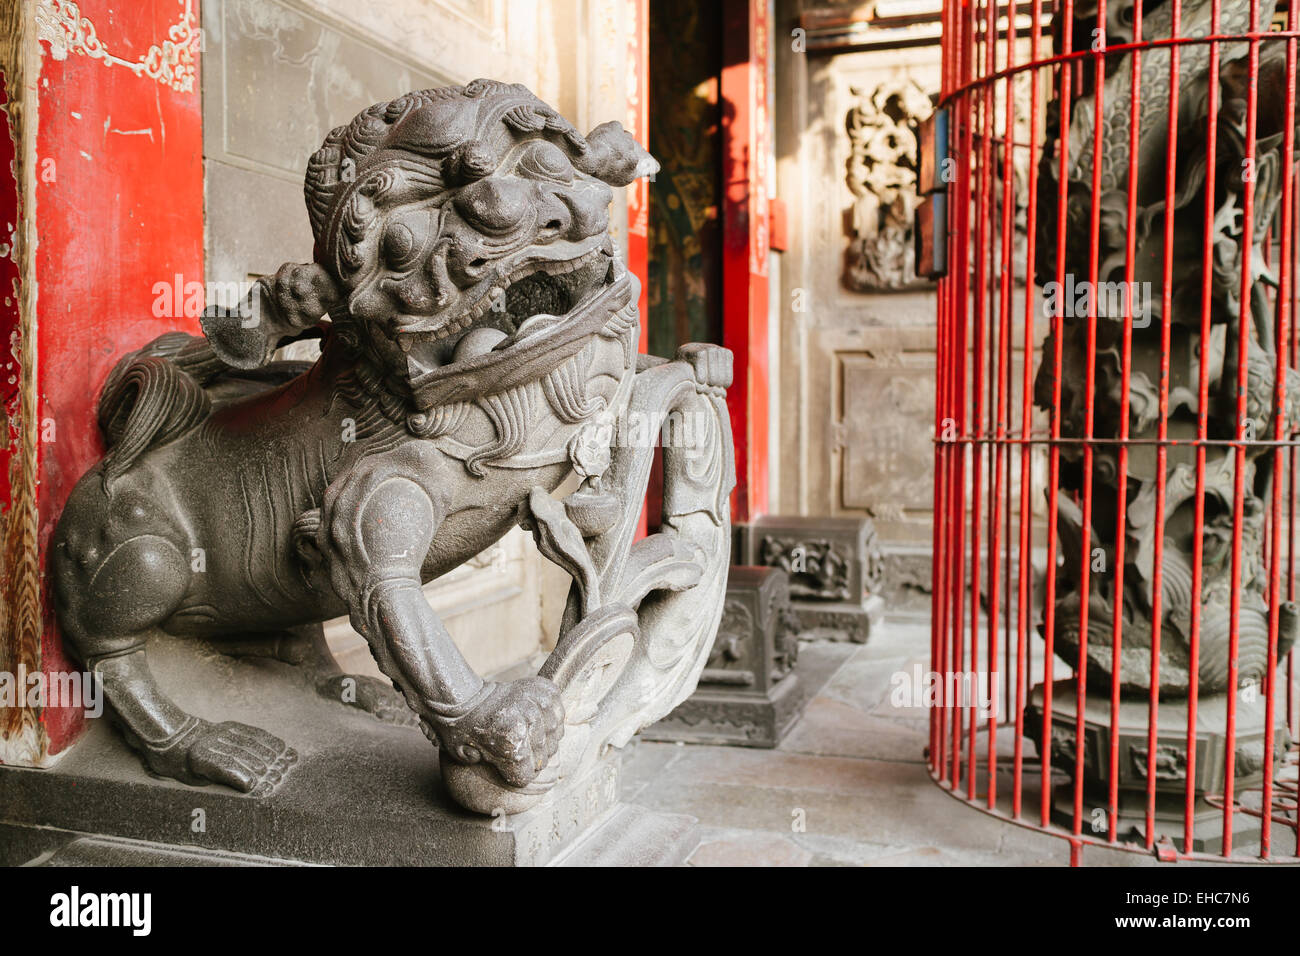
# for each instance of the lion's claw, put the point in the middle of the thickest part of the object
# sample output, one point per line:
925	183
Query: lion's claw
517	729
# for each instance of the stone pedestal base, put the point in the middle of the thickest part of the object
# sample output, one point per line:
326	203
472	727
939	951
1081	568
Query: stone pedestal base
1130	821
834	566
628	835
839	620
749	692
1171	760
635	836
363	792
716	717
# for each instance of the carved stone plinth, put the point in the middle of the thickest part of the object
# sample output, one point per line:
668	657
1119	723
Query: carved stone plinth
364	791
835	569
1171	760
749	692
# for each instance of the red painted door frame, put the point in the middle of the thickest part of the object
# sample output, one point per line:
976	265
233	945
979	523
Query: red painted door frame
637	122
110	184
745	144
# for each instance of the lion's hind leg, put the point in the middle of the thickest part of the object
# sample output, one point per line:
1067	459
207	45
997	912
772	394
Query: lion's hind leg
121	571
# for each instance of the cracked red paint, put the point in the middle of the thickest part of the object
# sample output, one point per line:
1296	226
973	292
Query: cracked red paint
115	214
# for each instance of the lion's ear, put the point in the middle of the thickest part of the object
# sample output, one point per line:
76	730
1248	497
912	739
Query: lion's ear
614	156
276	310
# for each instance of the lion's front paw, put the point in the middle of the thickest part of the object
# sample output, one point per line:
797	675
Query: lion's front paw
516	728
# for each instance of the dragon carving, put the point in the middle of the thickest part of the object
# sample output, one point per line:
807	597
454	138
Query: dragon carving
1227	227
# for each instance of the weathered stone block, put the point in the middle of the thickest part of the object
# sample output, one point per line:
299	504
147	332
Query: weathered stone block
835	567
748	692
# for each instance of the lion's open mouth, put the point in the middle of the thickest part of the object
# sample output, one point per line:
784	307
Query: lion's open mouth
555	288
534	286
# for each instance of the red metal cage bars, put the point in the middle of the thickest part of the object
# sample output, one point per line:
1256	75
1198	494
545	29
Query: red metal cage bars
1172	739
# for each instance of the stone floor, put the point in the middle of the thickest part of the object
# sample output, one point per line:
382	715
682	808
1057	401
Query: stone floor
847	787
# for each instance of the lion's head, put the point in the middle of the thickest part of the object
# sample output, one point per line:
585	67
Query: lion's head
475	206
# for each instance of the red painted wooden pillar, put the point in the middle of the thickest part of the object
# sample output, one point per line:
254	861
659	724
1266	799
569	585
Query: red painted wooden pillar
745	142
109	251
637	123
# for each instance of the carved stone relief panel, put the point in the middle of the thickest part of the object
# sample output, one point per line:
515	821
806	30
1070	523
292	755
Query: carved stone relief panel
857	366
875	99
881	176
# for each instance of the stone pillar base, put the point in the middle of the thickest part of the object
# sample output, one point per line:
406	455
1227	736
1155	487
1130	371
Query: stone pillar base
349	815
834	566
1171	761
365	792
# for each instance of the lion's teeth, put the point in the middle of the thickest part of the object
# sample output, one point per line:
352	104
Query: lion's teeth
496	292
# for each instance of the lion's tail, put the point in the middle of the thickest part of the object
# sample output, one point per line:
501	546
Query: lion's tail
149	398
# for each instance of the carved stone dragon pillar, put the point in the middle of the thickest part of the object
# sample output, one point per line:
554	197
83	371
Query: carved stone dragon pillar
1227	227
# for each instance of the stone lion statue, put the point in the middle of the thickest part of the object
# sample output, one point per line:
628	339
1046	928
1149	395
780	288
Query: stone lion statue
478	346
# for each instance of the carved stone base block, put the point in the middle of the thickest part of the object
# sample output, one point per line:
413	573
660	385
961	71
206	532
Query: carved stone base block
749	691
835	569
716	717
365	791
907	585
1171	760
